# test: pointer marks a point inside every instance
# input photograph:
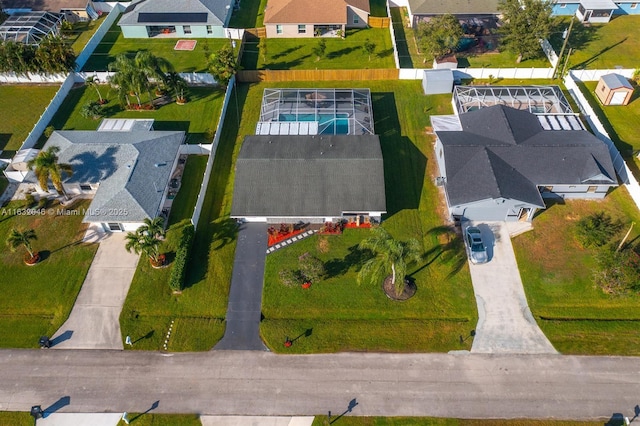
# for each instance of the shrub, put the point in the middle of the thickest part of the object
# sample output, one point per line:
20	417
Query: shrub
49	131
311	268
29	200
618	271
289	278
43	203
597	229
179	271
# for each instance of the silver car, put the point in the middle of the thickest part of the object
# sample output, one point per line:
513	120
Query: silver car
475	248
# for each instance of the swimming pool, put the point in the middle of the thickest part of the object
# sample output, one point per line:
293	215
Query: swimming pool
328	124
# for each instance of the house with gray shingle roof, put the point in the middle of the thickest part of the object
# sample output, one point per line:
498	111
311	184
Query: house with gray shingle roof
316	179
302	18
181	18
126	172
499	163
467	10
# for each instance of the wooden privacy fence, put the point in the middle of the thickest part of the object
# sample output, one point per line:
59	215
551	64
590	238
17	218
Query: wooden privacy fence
256	32
252	76
376	22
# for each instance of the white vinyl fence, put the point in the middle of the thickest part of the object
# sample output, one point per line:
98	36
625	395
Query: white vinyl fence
548	50
193	149
192	78
96	38
216	140
393	36
47	115
594	75
463	73
12	78
621	167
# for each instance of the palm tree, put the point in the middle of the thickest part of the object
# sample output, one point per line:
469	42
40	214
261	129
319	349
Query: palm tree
174	82
91	109
153	227
92	81
140	242
18	238
46	167
127	78
391	257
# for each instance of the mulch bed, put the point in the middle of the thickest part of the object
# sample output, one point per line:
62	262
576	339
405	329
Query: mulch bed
409	290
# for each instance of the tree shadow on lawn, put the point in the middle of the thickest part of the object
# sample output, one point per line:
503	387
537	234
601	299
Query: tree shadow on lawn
341	52
4	140
355	258
385	53
586	63
286	52
404	165
581	36
286	65
171	125
205	239
449	250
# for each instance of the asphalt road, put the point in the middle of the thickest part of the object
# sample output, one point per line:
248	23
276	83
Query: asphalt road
261	383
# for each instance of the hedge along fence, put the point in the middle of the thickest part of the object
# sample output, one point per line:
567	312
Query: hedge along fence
253	76
179	271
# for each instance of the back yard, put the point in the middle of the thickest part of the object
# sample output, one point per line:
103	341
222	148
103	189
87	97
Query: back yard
37	299
18	120
603	46
344	316
198	117
557	273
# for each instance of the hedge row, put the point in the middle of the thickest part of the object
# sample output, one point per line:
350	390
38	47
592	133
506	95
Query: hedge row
179	271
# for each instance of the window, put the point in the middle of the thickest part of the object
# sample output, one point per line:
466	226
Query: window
114	226
592	189
187	29
85	187
356	18
278	29
209	29
302	29
634	5
563	5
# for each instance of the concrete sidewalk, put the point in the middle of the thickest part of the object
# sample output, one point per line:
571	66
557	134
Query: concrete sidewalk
505	323
255	421
77	419
94	320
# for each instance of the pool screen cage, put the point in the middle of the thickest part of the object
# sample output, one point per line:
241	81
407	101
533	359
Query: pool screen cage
315	111
30	27
535	99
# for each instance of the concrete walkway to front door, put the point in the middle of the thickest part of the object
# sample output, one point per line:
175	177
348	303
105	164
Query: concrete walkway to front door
505	323
245	296
94	322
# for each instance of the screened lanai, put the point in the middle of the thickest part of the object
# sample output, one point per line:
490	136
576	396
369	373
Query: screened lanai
30	27
535	99
315	112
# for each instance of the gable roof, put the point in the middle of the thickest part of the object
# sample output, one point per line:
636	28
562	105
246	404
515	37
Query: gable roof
616	81
455	7
502	152
308	176
46	5
204	12
131	168
310	12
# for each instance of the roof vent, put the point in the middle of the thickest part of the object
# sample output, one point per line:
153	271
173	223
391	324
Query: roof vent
160	164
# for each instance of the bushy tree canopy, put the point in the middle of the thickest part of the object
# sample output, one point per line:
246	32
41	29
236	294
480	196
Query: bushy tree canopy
222	65
440	36
526	22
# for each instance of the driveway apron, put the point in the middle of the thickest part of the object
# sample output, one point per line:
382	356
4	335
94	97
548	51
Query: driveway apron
245	295
94	321
505	323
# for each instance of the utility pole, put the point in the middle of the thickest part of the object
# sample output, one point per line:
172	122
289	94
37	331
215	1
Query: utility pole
564	45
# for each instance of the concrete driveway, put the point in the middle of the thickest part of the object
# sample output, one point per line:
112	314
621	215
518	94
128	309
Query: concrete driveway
505	323
94	320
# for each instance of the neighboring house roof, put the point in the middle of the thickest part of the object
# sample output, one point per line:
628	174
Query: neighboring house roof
30	27
616	81
598	4
502	152
459	7
308	176
310	12
46	5
158	12
132	169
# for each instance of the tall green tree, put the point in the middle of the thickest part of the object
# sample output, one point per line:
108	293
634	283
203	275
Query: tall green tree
176	84
54	56
92	81
223	65
142	243
390	257
526	22
152	67
440	36
320	49
17	238
369	48
153	227
46	167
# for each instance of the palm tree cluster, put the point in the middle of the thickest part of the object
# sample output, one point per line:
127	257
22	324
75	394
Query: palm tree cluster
52	56
147	239
19	238
46	166
142	73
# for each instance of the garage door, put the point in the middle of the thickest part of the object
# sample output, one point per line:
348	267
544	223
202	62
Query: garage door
618	98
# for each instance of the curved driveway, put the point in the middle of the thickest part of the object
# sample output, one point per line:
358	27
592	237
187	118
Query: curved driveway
262	383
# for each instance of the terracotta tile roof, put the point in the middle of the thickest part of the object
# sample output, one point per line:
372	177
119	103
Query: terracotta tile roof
306	12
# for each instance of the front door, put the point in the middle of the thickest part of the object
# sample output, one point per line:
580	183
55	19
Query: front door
513	214
587	15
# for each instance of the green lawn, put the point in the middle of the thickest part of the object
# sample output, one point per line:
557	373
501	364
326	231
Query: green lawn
347	53
37	300
601	46
18	119
344	316
15	418
249	15
198	117
431	421
150	419
150	306
114	43
556	271
82	32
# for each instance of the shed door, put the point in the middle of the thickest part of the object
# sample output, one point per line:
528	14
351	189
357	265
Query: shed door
618	98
